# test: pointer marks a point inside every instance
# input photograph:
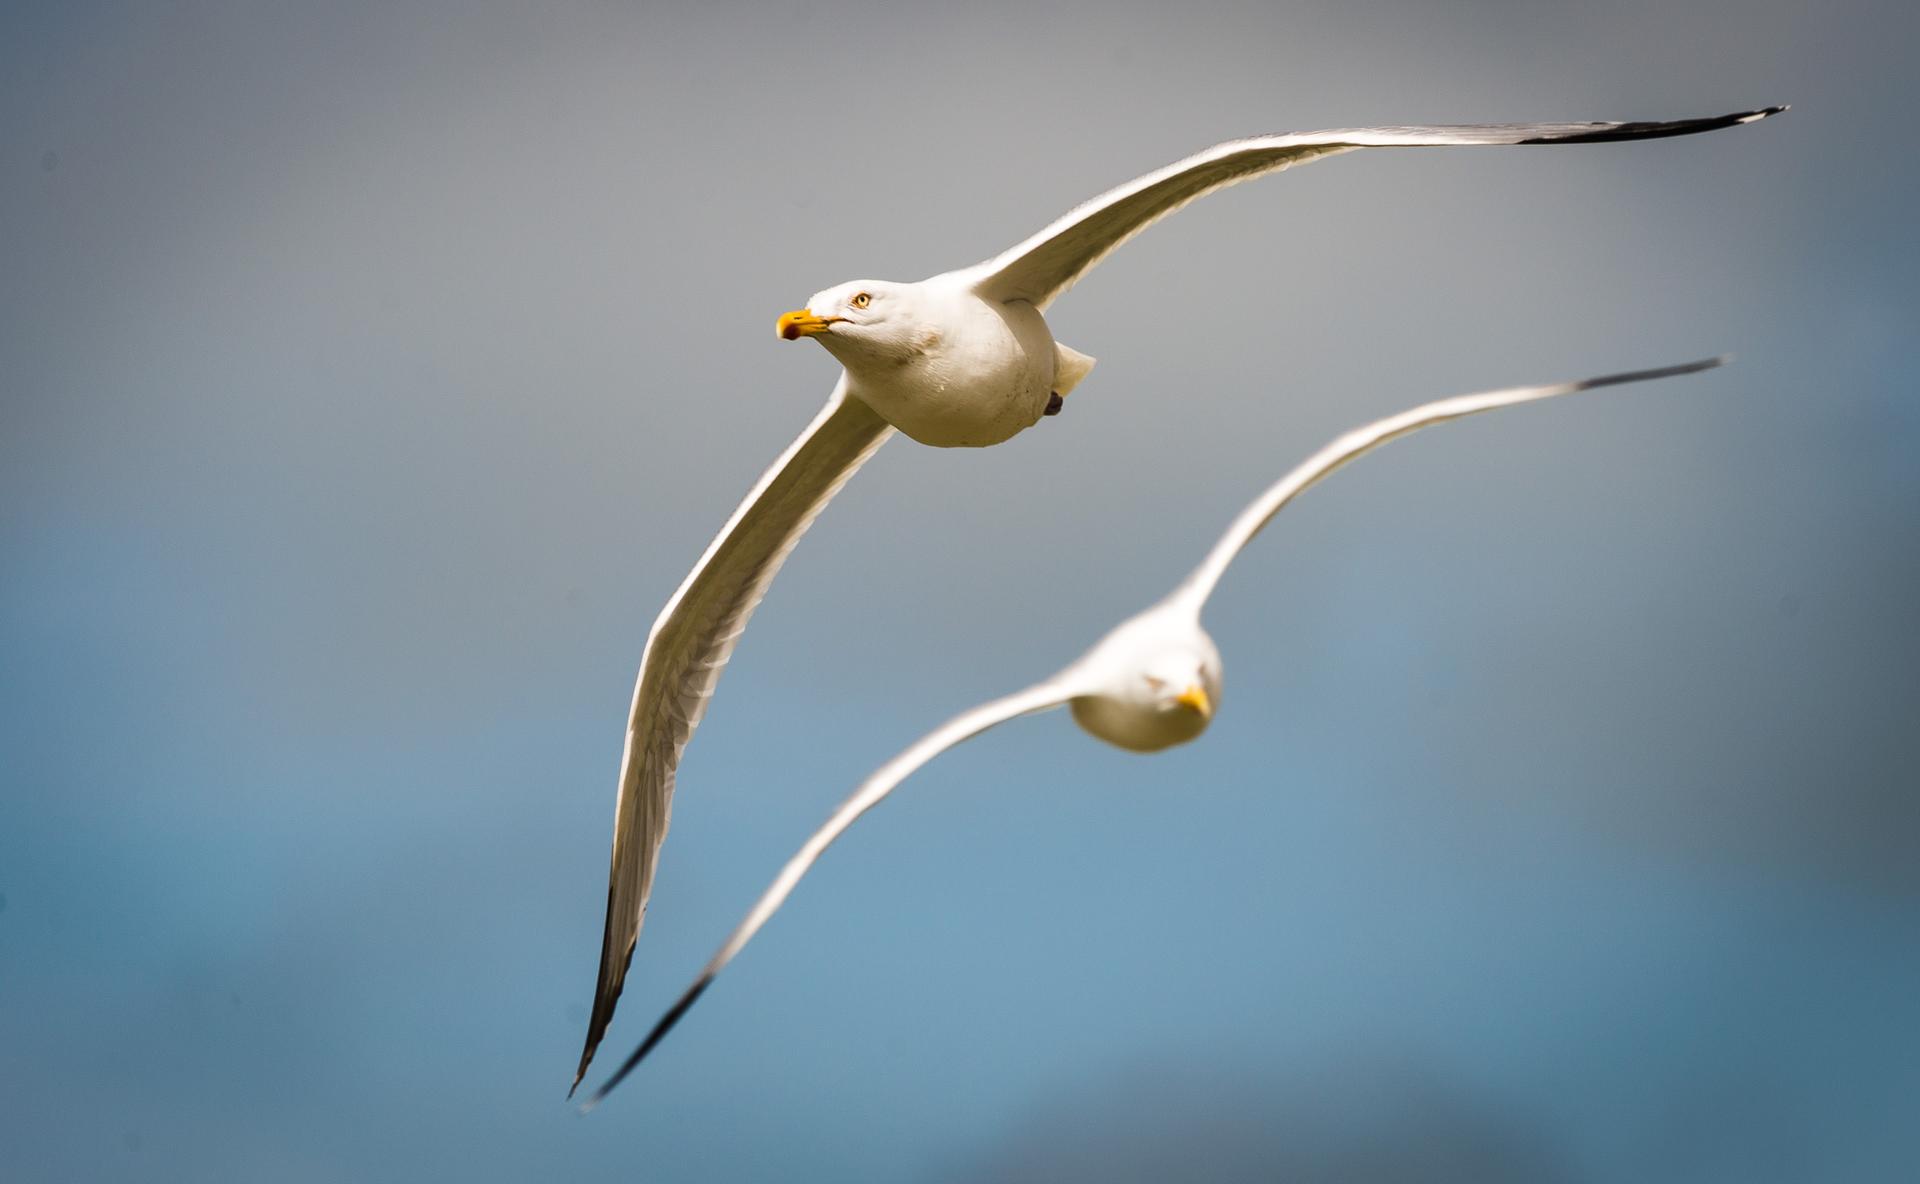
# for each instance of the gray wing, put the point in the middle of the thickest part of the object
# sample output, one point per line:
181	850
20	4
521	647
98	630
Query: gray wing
1040	697
1049	263
1200	584
688	648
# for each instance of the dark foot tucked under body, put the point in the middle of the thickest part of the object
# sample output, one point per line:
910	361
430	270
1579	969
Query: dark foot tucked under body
1054	404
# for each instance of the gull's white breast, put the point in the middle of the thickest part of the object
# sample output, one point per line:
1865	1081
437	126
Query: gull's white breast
1136	726
980	371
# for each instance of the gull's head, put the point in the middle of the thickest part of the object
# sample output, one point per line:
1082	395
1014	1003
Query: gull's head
1166	697
865	320
1157	683
1179	682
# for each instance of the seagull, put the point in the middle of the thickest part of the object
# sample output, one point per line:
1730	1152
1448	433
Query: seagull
962	359
1149	684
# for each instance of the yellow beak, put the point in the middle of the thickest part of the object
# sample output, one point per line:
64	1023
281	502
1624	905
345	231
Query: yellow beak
792	326
1194	698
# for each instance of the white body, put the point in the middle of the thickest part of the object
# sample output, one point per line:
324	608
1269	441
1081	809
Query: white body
1138	669
964	373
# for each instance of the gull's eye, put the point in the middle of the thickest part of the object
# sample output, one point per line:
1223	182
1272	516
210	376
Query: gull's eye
1155	684
862	299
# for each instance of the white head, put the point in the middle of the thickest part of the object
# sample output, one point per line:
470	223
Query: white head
1156	683
864	323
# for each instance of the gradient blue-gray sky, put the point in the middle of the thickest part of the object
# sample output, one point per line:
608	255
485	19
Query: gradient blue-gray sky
371	377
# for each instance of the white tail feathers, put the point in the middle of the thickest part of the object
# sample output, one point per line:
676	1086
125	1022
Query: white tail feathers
1069	367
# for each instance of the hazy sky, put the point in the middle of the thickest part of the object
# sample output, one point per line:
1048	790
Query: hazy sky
370	379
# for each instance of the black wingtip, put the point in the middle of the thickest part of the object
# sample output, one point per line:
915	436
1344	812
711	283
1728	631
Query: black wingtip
654	1037
1656	129
1627	376
580	1071
606	997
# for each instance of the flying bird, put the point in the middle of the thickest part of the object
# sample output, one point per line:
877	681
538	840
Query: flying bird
963	359
1151	683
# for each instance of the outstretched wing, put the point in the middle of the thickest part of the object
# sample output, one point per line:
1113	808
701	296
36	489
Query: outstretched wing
1040	697
1049	263
688	648
1357	443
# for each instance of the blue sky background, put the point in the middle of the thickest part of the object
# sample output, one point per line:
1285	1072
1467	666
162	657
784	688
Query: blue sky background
370	378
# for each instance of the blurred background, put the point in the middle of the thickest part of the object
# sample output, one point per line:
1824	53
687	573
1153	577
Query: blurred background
371	378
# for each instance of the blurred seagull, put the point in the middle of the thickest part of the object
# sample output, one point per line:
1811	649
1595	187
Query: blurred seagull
964	359
1151	683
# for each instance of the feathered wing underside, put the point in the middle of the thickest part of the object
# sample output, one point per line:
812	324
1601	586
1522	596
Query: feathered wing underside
1357	443
1041	268
687	650
1039	697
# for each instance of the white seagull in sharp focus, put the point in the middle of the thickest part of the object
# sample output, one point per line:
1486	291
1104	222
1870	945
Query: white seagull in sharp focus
1151	683
963	359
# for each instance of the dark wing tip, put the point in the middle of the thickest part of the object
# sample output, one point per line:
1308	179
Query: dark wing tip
586	1058
654	1037
1658	372
606	997
1601	133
